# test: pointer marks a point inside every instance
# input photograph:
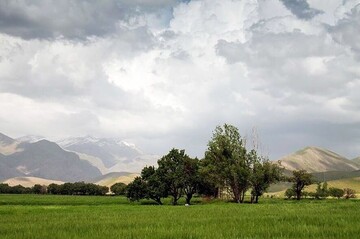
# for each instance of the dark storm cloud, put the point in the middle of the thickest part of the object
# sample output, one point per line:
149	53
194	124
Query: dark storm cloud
72	19
347	31
301	8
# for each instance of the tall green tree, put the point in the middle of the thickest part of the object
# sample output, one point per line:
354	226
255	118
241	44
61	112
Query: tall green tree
156	189
227	161
171	172
300	179
263	174
136	190
191	178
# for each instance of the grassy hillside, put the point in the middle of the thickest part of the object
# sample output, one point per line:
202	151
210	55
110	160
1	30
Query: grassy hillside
113	217
335	175
115	177
353	183
356	160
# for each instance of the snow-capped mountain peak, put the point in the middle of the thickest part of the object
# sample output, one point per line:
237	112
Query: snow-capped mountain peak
30	138
110	151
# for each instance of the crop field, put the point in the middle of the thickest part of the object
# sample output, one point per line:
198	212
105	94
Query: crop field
47	216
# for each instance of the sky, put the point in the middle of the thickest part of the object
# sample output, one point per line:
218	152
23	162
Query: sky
165	73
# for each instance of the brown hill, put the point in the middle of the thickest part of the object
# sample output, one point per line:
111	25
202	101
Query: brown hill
30	181
314	159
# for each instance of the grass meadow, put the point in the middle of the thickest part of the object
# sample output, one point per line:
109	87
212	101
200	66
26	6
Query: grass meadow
47	216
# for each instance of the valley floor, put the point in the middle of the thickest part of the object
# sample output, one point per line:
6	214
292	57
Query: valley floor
47	216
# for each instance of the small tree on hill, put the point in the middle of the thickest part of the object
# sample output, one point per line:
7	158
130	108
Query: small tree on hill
300	179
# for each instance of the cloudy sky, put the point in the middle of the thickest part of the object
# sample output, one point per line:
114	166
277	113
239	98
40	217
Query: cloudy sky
164	73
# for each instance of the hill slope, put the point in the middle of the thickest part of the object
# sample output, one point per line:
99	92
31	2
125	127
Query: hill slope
315	159
116	177
356	160
43	159
108	154
30	181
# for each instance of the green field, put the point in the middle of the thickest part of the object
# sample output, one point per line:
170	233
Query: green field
37	216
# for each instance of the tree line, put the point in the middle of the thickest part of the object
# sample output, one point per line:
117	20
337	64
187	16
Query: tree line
77	188
228	168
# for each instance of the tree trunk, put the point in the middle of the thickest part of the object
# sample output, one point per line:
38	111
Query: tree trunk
242	196
174	202
159	201
188	198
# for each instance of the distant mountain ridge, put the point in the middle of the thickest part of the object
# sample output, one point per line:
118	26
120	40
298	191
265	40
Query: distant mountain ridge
315	159
43	159
108	154
19	157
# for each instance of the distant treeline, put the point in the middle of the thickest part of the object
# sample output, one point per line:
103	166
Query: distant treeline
78	188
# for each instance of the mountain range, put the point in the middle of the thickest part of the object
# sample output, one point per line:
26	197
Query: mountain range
33	159
43	159
108	154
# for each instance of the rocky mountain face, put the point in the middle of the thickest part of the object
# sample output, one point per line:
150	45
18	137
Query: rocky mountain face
314	159
108	154
42	159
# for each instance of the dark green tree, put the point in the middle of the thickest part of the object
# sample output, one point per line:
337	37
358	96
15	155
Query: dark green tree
54	188
300	179
39	189
226	160
321	191
171	172
336	192
156	188
118	188
5	188
191	178
290	193
136	190
263	174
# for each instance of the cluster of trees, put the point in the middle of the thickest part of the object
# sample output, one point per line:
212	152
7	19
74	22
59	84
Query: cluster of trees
18	189
301	179
78	188
228	168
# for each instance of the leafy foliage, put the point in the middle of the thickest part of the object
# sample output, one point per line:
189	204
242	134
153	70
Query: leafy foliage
300	179
336	192
136	190
227	161
118	188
